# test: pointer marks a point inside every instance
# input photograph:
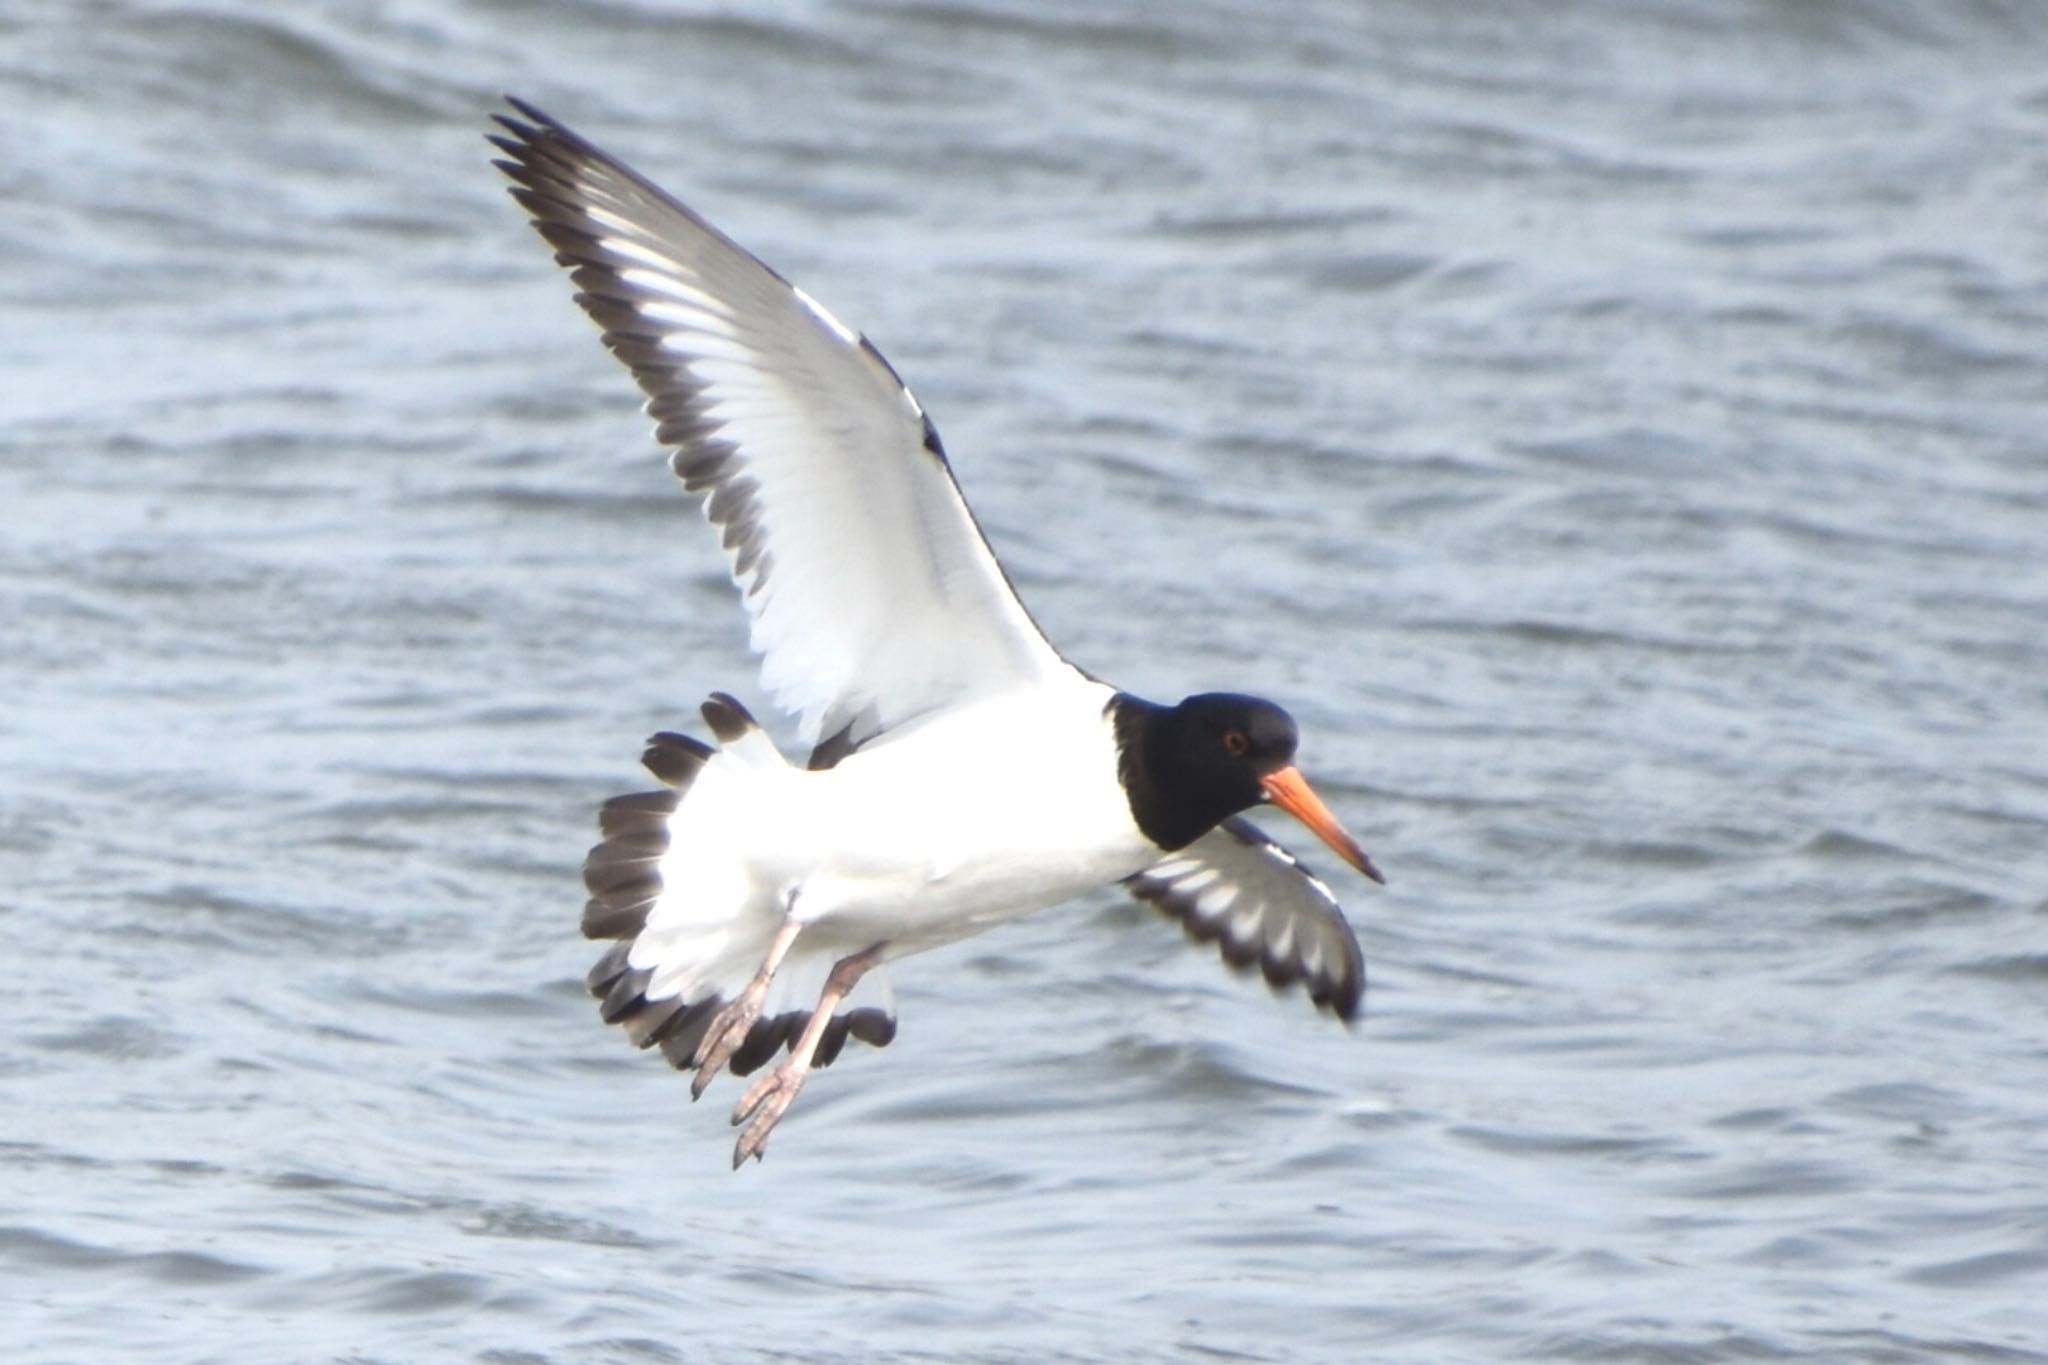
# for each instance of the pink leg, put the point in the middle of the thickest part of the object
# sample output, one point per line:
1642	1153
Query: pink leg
729	1027
767	1098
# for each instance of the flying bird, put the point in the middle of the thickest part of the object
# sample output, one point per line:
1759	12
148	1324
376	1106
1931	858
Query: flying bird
961	772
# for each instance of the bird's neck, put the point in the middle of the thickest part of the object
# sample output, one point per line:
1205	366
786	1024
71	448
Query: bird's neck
1160	806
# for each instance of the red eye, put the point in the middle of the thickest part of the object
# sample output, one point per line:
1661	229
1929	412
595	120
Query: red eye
1234	742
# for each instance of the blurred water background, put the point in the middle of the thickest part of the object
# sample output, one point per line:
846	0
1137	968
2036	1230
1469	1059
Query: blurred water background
1619	432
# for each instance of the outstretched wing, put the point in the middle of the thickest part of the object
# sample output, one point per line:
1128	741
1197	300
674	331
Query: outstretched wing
873	596
1246	893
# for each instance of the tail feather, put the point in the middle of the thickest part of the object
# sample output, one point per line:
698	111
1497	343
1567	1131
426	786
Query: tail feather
675	758
871	1026
619	986
623	872
728	720
626	879
641	813
678	1027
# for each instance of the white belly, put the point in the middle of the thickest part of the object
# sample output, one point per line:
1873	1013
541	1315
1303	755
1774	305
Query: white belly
943	830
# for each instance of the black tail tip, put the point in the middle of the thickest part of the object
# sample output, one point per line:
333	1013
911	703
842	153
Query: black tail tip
727	718
675	758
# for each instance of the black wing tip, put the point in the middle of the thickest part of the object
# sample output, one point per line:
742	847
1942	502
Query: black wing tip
1341	996
537	125
521	136
1346	1003
1339	992
539	147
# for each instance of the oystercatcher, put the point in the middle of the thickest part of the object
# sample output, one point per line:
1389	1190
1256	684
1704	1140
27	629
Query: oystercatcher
961	772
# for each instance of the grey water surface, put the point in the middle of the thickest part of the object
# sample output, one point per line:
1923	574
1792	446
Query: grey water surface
1618	431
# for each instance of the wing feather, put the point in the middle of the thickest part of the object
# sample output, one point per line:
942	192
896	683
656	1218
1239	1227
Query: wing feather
1252	898
873	596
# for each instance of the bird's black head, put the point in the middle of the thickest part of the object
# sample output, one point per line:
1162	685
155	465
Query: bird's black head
1215	748
1187	768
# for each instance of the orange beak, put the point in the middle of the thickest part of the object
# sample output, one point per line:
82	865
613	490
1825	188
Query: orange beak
1291	792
